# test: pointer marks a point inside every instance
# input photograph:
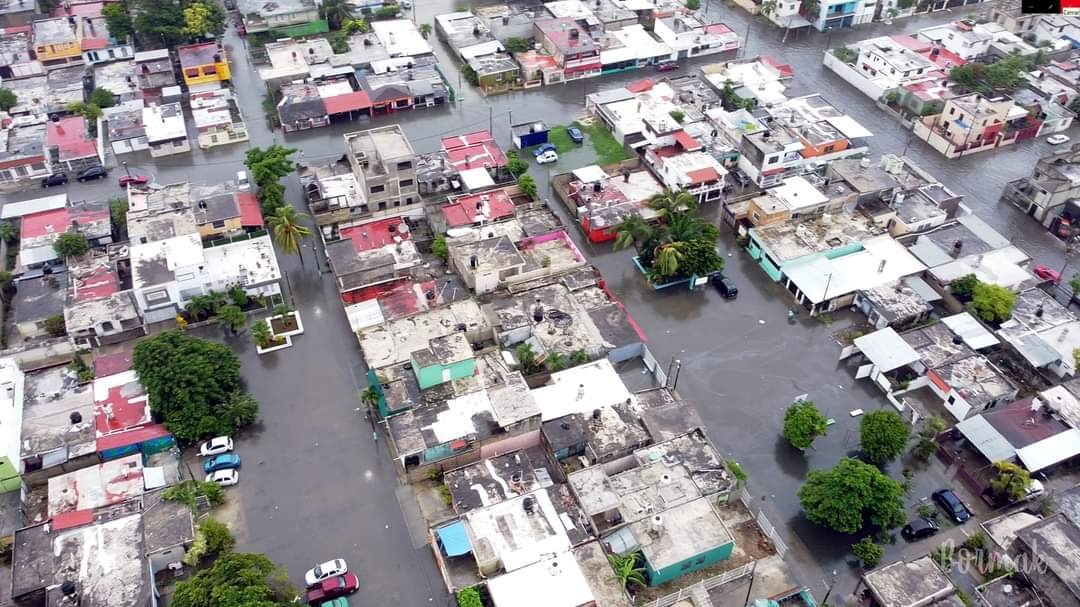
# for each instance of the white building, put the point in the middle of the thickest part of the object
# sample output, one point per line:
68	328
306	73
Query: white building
125	127
400	38
167	274
965	39
166	132
217	118
833	14
11	413
690	37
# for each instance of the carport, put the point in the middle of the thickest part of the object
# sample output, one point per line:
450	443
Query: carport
886	352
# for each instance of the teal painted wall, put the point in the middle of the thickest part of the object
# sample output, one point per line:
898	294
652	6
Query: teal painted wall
433	375
9	476
690	565
847	249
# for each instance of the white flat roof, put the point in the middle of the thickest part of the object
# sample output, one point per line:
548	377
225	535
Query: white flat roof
476	179
974	334
886	349
516	538
400	38
1050	451
581	389
641	42
824	278
986	439
1000	267
479	50
557	582
590	173
35	205
364	314
849	127
456	421
798	193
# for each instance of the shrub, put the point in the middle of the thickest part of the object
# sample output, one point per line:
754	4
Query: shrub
469	597
868	552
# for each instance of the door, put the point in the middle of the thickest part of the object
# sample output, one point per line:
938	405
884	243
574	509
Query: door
446	375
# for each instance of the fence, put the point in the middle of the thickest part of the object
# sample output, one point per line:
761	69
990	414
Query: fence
763	521
704	586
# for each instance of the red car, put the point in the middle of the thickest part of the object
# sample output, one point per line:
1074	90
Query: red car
667	66
126	180
334	587
1046	273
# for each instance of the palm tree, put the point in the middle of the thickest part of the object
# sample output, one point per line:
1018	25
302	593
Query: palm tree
526	358
631	231
556	361
668	203
281	310
683	228
199	306
288	231
768	7
260	334
336	12
370	396
216	301
232	317
627	571
666	258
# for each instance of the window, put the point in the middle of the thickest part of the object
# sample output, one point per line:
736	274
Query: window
219	224
685	566
209	70
951	400
382	206
376	189
700	560
191	72
406	183
157	296
829	149
404	166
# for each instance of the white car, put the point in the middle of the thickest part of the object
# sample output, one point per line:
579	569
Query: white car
1057	139
326	570
225	478
216	446
242	182
546	157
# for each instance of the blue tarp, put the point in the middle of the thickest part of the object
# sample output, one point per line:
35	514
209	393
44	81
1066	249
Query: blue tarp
454	540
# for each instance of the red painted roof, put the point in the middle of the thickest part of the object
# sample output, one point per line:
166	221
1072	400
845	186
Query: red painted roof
111	364
95	284
717	28
784	69
91	44
461	141
69	135
129	405
85	9
16	29
687	142
374	235
462	211
704	175
486	154
250	212
944	58
69	520
45	222
640	86
132	437
349	102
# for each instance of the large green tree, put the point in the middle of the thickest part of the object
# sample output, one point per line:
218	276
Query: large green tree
883	435
102	98
71	244
681	246
1011	481
337	12
992	303
236	580
159	23
204	19
267	167
803	422
118	20
8	100
193	384
850	496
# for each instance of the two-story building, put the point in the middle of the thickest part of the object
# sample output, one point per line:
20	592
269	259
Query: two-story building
1050	193
217	118
56	40
571	46
204	65
166	132
972	123
688	36
965	38
262	16
98	45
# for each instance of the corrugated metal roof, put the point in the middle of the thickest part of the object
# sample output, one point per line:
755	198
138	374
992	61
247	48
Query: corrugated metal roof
1050	451
974	334
886	349
986	439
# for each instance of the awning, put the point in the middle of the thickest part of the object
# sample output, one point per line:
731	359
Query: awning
454	540
250	213
986	438
886	350
687	141
849	127
1050	451
131	437
974	334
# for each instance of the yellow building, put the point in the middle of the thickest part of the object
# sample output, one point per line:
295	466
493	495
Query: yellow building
218	215
56	40
204	63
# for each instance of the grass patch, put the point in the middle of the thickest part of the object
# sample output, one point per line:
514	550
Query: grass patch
608	150
558	137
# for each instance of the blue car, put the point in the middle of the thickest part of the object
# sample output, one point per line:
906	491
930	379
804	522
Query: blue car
225	461
575	134
544	147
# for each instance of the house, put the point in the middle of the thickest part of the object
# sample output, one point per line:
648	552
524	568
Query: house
123	420
906	583
467	35
154	72
204	66
217	118
495	73
1047	194
38	302
468	210
445	359
291	59
1010	15
168	529
1039	331
686	166
760	79
372	252
70	146
603	201
383	161
40	229
16	54
484	264
899	305
22	150
96	41
661	503
1048	545
401	38
972	123
477	150
538	69
11	416
301	108
126	132
964	38
58	432
218	215
97	312
404	84
630	47
267	16
970	246
575	53
166	132
689	37
56	41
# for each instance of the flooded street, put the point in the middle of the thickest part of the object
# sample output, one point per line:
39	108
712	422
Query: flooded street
742	360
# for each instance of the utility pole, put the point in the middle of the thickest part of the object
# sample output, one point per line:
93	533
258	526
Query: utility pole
750	588
491	121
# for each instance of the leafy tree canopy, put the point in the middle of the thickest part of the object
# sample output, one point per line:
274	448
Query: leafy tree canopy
803	422
964	287
236	580
159	22
118	20
100	97
992	303
883	435
1011	481
71	244
851	495
8	100
204	19
514	44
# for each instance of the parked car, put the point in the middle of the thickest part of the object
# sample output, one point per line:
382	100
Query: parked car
1057	139
544	148
740	177
333	587
922	527
320	572
952	505
225	478
338	602
575	134
216	446
54	179
126	180
1046	273
1035	489
94	172
725	286
242	182
547	157
225	461
667	66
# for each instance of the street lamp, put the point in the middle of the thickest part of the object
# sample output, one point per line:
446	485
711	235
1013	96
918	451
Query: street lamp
825	601
126	168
